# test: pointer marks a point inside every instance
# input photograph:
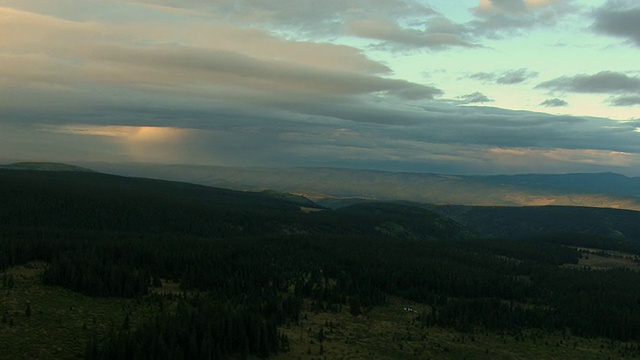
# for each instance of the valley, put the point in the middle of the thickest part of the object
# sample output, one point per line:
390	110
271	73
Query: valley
602	190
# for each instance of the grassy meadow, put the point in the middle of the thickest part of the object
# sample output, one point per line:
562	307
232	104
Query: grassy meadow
392	333
47	322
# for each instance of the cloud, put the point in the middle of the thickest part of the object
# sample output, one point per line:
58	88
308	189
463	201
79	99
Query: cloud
72	66
508	6
224	82
496	18
392	34
397	23
137	143
630	100
475	97
602	82
619	18
558	160
509	77
365	133
377	19
516	76
554	103
483	76
190	66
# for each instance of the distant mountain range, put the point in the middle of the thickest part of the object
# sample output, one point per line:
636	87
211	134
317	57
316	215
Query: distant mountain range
336	187
94	201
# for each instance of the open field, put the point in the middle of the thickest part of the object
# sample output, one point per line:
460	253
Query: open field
607	259
61	322
393	333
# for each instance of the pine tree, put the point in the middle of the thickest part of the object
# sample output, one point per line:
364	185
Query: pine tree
126	324
354	306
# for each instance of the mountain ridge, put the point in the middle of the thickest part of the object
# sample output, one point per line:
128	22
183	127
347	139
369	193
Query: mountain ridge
70	201
44	166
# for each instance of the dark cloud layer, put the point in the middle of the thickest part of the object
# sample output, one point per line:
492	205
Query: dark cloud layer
270	130
510	6
398	24
476	97
377	19
630	100
619	18
554	103
437	33
498	18
602	82
515	76
509	77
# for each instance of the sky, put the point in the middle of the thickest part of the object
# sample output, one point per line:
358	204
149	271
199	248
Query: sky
459	87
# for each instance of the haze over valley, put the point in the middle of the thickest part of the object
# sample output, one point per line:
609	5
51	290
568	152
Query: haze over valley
330	185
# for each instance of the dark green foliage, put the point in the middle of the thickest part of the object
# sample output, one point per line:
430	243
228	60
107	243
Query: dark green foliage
198	329
354	306
401	221
90	272
497	284
65	204
99	202
595	241
536	221
256	258
465	282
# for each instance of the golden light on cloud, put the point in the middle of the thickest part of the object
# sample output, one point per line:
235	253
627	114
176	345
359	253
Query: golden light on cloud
141	143
156	134
92	130
485	4
132	133
156	143
584	156
539	3
488	4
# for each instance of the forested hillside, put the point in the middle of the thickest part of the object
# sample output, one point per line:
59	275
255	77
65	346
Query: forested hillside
529	221
246	264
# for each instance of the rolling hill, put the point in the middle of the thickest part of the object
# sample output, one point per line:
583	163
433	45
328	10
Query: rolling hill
90	201
533	221
44	166
96	201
